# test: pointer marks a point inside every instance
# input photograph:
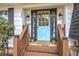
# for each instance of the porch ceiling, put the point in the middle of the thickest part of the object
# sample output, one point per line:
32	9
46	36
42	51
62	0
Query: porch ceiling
12	4
31	5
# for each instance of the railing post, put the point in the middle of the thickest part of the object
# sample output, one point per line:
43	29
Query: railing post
59	48
27	36
60	36
65	47
16	46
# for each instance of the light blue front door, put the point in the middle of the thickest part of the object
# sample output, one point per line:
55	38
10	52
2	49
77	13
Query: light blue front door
43	26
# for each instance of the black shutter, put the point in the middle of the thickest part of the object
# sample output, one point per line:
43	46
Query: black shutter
11	15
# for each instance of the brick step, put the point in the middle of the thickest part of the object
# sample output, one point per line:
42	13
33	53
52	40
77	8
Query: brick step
47	49
29	53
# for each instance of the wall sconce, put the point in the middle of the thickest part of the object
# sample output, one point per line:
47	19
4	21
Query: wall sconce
27	16
60	14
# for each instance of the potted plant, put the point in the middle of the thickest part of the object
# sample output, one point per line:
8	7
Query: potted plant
6	33
73	50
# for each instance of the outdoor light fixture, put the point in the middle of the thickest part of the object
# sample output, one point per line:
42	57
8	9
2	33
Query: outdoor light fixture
60	14
27	19
27	16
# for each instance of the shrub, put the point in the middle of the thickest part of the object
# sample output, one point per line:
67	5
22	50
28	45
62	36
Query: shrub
6	32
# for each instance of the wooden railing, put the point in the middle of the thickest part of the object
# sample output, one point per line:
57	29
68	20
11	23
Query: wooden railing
62	42
20	42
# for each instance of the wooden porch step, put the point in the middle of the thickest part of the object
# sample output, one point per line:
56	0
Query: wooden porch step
29	53
47	49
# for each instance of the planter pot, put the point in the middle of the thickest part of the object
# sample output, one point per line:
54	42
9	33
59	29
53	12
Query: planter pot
73	53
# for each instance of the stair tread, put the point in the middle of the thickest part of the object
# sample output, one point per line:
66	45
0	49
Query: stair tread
29	53
42	48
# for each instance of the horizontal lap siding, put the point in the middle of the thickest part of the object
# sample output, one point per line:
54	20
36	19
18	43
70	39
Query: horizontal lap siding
68	16
18	20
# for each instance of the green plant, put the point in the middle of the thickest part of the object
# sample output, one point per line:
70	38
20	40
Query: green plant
6	32
73	48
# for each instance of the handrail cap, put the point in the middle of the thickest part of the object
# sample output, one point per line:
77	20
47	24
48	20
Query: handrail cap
65	38
16	36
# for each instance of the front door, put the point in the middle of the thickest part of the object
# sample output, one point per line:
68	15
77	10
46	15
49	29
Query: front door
43	26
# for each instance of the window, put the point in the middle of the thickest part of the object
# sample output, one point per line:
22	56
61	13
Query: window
43	18
3	14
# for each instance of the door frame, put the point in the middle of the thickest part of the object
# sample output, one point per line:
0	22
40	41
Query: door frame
35	11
